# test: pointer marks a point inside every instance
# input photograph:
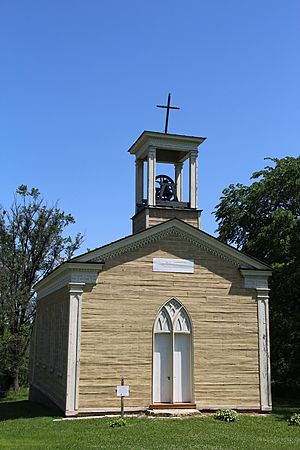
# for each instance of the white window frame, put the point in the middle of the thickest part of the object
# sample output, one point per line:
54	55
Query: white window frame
172	331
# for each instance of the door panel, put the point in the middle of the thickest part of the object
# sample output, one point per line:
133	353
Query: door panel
162	368
182	368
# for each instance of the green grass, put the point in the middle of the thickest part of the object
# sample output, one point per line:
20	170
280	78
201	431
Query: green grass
24	425
12	396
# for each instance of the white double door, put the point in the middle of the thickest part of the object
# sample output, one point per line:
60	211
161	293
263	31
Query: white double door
172	368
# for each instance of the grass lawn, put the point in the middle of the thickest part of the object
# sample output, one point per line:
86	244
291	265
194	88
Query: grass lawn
24	425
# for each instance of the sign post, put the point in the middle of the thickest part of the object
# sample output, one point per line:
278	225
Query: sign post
122	391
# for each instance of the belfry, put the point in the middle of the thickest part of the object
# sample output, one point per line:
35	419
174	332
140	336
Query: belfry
164	197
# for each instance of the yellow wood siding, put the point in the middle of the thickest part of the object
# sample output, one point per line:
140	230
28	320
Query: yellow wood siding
49	368
139	221
157	220
149	217
117	322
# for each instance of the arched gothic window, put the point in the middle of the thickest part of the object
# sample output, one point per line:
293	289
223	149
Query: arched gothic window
172	346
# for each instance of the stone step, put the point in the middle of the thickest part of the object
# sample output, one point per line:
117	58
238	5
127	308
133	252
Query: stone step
172	406
172	412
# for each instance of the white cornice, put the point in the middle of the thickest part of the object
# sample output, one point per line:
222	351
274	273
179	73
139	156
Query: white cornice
257	279
163	140
66	274
255	273
183	231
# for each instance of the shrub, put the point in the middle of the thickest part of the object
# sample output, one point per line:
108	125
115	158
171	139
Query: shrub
294	419
227	415
118	423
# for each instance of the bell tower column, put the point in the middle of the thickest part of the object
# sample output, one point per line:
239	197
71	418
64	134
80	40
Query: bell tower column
193	179
151	175
139	183
179	181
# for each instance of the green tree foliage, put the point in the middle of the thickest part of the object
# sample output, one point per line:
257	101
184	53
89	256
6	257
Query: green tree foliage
263	220
32	244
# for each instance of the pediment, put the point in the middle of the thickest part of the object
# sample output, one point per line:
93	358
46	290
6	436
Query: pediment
182	231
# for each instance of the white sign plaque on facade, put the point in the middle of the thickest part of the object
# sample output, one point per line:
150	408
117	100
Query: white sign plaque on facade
173	265
122	391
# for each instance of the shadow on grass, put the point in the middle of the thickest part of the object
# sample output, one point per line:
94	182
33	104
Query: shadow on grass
25	410
283	408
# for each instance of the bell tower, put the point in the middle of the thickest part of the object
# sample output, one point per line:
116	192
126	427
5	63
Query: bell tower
159	198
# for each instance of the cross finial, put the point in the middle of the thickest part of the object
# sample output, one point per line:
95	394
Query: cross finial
168	107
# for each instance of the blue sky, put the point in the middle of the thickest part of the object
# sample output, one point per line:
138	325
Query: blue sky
79	81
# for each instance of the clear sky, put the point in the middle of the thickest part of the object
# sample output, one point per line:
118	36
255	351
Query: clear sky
79	81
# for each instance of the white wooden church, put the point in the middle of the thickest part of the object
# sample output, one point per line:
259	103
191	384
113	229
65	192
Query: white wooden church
181	316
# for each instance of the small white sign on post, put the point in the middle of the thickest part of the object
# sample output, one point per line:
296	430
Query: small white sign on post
122	391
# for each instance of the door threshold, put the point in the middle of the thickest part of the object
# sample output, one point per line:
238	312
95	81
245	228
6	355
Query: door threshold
172	406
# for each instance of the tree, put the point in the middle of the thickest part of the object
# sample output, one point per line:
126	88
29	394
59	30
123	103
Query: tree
263	220
32	244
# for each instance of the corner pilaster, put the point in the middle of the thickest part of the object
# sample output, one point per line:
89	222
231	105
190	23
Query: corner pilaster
258	279
262	296
76	291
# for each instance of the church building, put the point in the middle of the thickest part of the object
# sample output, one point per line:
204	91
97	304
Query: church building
180	315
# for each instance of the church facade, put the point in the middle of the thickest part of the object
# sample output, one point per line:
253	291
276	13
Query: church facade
181	316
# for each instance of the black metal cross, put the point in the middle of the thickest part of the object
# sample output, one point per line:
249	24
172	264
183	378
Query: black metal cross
168	107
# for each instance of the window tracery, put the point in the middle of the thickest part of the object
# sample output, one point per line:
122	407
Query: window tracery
172	318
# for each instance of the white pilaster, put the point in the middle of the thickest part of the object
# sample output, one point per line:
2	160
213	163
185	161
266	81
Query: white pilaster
76	290
264	348
151	176
193	179
179	180
258	279
139	182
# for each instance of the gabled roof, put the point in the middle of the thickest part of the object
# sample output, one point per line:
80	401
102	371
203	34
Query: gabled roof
173	226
